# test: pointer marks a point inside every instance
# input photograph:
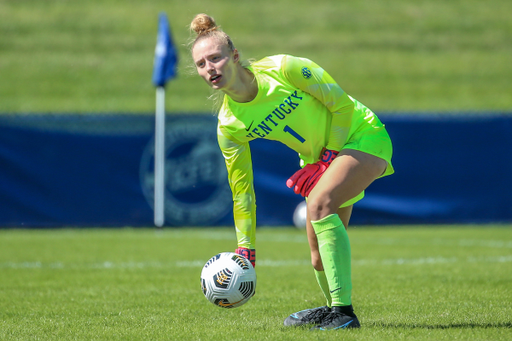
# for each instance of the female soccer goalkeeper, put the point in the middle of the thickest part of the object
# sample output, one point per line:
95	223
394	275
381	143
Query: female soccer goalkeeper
342	145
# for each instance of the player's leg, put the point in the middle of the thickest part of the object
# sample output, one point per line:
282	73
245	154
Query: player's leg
347	177
350	174
316	315
344	213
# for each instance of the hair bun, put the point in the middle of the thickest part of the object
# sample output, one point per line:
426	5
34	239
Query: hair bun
202	23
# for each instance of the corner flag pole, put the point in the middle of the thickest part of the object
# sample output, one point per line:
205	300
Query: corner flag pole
159	200
164	69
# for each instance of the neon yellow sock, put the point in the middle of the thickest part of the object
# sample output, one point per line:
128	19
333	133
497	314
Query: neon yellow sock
334	247
322	282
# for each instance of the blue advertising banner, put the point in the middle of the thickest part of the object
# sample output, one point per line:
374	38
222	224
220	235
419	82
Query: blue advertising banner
98	170
72	170
450	168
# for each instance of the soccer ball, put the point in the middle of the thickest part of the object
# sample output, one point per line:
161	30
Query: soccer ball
300	215
228	280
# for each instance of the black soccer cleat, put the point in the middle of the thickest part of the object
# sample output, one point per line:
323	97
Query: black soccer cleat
308	316
337	319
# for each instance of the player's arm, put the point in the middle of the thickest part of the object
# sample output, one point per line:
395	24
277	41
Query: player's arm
309	77
237	156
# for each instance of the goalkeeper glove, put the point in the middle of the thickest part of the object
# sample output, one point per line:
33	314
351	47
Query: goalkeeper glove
305	179
250	254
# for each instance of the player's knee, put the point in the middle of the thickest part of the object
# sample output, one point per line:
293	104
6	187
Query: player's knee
318	207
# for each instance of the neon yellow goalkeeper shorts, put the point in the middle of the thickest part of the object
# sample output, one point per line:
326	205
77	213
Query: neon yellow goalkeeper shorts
374	141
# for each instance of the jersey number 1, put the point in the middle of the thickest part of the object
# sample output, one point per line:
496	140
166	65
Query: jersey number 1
287	129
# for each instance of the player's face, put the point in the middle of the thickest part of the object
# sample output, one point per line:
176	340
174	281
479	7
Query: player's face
214	62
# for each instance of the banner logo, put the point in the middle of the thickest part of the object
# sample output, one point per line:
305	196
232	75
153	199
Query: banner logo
196	186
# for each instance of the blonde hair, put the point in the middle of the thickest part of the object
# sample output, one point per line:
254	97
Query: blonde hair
205	27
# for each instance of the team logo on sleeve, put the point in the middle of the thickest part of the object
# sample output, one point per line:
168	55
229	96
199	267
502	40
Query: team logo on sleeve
306	72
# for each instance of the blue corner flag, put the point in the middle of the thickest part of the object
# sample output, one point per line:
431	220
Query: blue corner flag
166	57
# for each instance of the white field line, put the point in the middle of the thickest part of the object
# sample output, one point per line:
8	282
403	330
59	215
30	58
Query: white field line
280	237
493	244
261	263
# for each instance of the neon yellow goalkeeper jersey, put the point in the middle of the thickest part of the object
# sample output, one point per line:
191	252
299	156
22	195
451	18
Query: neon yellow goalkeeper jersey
298	104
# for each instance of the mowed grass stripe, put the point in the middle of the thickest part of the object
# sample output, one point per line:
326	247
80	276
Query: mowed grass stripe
261	263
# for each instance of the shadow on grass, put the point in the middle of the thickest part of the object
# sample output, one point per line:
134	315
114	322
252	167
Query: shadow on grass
446	326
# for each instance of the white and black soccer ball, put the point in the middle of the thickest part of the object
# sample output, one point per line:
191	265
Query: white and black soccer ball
228	280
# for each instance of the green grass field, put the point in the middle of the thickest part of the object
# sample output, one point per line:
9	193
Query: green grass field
410	283
396	55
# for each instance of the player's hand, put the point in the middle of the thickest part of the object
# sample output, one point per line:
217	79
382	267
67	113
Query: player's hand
250	254
305	179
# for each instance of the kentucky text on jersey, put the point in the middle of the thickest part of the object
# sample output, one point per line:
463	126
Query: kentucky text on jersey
279	112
